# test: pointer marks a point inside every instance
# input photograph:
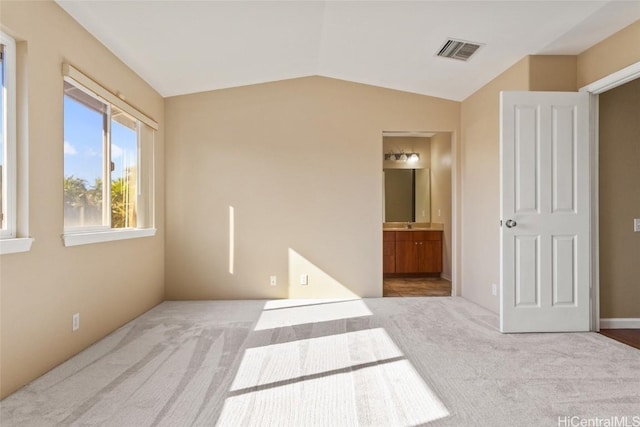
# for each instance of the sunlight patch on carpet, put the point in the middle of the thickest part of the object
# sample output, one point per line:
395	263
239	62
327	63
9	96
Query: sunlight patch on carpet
317	312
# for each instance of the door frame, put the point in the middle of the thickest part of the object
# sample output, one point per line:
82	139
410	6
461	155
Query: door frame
594	89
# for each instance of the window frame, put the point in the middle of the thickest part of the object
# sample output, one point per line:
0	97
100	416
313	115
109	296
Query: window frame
95	234
11	240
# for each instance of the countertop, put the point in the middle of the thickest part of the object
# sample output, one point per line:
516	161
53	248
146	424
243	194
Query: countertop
401	226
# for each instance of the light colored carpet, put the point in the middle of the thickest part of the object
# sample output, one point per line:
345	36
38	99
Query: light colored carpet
373	362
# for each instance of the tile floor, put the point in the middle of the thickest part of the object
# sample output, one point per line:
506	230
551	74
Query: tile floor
416	287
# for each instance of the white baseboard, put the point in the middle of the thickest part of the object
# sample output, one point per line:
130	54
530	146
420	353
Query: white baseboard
627	323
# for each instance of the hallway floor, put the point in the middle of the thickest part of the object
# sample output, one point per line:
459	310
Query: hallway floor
627	336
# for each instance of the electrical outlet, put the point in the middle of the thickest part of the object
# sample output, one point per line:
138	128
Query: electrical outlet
494	289
636	225
75	322
304	279
273	280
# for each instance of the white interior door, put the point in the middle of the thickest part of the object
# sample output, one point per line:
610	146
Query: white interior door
545	212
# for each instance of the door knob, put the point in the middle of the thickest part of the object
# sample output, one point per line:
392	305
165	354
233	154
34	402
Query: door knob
511	223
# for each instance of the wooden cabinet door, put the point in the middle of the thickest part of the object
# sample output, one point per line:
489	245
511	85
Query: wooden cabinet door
389	257
388	252
406	256
418	252
430	256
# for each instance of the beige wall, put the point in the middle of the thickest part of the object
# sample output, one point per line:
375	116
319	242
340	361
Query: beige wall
441	194
480	124
553	73
610	55
299	161
108	283
619	173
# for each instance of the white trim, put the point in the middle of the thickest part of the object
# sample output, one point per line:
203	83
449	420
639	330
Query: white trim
14	246
70	72
611	81
9	126
455	211
620	323
75	239
595	203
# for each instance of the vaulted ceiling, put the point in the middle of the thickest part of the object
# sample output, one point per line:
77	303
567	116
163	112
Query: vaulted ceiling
182	47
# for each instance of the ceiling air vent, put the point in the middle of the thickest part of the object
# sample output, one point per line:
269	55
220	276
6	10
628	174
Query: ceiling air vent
458	49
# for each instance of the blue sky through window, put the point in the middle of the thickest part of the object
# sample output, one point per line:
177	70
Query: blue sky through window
83	136
82	141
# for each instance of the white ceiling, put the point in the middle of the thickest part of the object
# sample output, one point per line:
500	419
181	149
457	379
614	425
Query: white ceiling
183	47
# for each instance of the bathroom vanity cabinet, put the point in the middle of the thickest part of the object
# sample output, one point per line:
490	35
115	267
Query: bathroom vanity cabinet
412	252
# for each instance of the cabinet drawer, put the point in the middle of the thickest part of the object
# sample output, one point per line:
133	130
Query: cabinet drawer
430	235
388	236
418	236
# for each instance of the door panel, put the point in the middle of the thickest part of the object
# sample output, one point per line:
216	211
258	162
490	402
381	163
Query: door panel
527	267
526	155
564	266
563	154
544	184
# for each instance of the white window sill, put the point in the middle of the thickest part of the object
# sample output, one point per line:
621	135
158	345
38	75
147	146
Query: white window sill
15	245
75	239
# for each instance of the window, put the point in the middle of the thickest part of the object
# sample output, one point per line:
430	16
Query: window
13	210
108	168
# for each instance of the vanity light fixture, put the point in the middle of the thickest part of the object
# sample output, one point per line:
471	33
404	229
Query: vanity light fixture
402	157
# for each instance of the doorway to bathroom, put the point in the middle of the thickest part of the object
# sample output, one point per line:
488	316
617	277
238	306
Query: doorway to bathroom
417	214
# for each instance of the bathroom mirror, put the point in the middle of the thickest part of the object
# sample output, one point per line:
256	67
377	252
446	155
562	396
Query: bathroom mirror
407	195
